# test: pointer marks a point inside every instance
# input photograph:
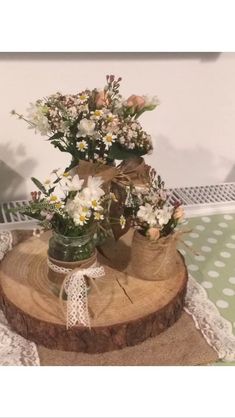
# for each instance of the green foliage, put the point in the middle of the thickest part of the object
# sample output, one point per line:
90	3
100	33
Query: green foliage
39	185
117	152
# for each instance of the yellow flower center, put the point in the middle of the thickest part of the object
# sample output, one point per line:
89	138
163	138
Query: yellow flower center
82	218
66	174
58	205
82	97
53	198
109	138
94	203
98	113
82	145
84	209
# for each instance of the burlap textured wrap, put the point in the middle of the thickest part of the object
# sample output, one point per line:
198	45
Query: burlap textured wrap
155	260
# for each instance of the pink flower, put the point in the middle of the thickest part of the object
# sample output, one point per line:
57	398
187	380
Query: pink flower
153	234
101	99
178	213
137	102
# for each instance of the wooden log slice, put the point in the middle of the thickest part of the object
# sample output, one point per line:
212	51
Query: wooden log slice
125	310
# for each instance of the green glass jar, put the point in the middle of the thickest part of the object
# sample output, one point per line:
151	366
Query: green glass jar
70	249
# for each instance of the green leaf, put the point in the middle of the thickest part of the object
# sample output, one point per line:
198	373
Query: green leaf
57	144
39	185
51	190
118	152
57	135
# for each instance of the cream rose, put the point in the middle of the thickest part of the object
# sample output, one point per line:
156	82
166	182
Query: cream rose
86	127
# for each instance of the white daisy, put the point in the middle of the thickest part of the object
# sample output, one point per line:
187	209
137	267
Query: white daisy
82	145
97	114
83	97
53	199
109	139
95	204
80	219
98	216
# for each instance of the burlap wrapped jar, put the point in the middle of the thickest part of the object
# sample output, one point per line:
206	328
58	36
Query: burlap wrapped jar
154	260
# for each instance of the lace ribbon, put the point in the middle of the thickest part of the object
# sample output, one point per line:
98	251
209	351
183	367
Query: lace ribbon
216	330
5	243
76	289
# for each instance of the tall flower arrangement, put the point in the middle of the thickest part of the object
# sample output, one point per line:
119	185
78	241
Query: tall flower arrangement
93	125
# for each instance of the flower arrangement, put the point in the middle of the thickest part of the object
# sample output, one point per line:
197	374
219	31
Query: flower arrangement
93	125
149	210
68	206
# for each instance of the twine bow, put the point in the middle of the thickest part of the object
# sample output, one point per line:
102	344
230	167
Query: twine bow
74	285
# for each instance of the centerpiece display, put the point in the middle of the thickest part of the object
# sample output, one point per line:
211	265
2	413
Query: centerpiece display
110	280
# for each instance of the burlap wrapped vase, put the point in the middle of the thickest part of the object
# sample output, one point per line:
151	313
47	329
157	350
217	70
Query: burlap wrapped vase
154	260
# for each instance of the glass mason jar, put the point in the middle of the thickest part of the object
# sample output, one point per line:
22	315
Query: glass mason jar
69	249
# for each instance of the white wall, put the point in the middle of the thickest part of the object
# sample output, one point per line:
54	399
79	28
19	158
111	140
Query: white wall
193	129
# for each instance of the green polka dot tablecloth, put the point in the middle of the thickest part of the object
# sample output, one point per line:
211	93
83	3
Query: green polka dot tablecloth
211	290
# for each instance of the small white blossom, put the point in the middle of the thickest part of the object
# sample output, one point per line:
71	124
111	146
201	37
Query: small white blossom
73	185
93	190
146	213
109	139
163	216
82	145
37	116
97	114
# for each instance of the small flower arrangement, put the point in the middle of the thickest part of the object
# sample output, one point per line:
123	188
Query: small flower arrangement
93	125
68	206
149	210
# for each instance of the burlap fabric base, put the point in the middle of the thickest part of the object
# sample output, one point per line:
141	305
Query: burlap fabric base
181	344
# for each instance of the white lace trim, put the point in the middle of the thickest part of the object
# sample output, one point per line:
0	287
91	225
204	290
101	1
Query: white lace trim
76	289
14	349
5	243
216	330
